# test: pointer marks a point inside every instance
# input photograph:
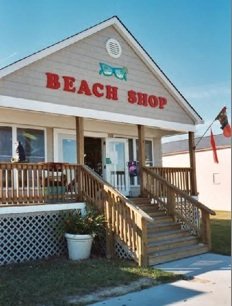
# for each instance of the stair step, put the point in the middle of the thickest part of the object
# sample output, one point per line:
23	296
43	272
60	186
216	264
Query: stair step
162	219
140	200
146	204
166	241
150	208
168	235
177	253
157	213
167	244
154	228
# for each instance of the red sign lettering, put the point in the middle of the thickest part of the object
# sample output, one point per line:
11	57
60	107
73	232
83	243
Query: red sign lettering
52	81
153	101
132	96
142	98
162	102
70	84
84	88
97	90
111	92
145	100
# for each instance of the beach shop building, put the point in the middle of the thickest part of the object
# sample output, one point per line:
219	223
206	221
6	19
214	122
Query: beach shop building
90	112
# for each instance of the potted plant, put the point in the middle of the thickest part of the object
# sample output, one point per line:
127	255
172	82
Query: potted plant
80	230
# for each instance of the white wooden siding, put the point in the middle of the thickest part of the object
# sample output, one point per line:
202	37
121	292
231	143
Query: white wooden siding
81	60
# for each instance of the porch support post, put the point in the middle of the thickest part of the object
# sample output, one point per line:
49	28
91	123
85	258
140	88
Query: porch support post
80	140
192	156
80	154
141	150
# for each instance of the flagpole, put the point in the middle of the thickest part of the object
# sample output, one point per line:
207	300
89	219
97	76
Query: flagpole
204	134
208	128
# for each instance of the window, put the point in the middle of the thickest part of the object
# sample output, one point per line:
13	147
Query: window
216	178
33	143
148	152
5	143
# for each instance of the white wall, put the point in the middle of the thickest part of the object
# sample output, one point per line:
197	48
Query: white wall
213	180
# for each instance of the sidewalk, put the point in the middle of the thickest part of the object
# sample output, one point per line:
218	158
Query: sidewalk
209	284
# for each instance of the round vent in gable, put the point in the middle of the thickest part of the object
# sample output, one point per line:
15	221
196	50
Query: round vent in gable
113	48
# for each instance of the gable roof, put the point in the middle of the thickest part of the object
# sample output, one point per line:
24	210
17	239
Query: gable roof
181	146
140	51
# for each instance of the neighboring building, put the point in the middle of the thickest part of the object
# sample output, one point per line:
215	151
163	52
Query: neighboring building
213	179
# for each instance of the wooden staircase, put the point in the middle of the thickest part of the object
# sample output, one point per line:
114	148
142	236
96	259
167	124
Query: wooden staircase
166	241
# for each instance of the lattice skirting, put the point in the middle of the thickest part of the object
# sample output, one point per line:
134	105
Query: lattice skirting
37	235
30	236
122	251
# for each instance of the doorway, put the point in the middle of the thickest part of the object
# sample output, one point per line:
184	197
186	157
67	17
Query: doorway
108	157
116	168
93	154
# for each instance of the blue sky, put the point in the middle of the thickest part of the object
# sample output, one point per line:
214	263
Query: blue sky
188	39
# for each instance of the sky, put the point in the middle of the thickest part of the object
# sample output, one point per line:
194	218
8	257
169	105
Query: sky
188	39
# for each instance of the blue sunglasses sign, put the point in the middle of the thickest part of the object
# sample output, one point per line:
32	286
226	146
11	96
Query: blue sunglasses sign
119	73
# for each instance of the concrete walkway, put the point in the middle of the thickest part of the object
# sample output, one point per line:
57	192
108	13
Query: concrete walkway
209	284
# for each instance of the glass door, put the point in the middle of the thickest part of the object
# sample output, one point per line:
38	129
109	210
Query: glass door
116	160
66	148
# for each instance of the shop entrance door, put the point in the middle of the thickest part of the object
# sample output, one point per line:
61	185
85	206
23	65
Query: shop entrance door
116	168
65	150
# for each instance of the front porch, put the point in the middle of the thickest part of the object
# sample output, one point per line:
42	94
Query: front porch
129	222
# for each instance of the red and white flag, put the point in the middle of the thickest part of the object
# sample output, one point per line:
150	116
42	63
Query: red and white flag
213	145
223	119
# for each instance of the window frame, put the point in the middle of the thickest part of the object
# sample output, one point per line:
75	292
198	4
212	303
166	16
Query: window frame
14	128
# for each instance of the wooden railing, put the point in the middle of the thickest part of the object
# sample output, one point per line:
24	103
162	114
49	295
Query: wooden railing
34	184
179	177
125	221
27	183
30	184
193	215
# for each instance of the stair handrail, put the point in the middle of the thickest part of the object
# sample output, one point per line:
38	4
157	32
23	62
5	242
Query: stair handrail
125	220
111	188
173	194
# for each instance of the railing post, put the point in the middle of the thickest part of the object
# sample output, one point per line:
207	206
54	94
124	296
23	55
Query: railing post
171	203
141	150
206	231
80	183
109	232
143	258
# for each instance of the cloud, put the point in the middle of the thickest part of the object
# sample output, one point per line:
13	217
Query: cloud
212	91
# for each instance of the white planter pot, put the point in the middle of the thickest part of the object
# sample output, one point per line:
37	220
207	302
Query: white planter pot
79	246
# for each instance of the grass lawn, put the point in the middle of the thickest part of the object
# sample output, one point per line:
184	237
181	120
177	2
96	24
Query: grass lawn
221	232
47	283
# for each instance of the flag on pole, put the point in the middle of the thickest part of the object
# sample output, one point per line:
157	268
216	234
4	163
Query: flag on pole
213	145
222	117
